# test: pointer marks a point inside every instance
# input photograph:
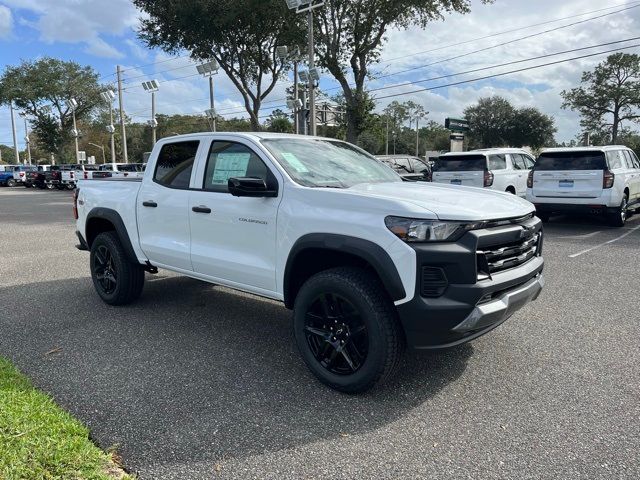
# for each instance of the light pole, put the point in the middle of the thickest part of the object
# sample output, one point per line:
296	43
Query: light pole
309	6
104	160
72	105
108	96
15	137
418	116
27	141
152	87
284	55
209	69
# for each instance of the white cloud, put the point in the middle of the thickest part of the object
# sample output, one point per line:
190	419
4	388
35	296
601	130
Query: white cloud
6	22
98	47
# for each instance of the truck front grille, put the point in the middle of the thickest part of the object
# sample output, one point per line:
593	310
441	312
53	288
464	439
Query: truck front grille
493	258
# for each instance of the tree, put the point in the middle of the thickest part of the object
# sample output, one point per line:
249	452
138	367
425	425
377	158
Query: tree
352	32
41	88
532	128
278	121
494	122
609	95
242	35
490	122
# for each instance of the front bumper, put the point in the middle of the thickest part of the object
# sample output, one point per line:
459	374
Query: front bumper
472	304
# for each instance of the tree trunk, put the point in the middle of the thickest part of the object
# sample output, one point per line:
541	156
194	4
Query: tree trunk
355	106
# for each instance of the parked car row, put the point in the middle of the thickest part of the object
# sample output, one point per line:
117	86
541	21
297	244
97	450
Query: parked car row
64	177
585	180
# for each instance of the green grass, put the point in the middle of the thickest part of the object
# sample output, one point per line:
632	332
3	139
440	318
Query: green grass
38	440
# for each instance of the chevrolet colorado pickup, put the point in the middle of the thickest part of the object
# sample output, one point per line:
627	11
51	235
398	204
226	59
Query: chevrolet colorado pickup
367	262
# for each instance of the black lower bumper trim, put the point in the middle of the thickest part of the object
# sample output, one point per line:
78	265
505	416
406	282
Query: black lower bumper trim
83	243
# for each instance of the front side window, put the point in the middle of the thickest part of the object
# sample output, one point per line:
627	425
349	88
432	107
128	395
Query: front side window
636	162
233	160
175	163
529	162
518	162
497	162
324	163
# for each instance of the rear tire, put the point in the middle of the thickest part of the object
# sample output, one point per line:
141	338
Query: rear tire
619	217
11	182
117	280
347	330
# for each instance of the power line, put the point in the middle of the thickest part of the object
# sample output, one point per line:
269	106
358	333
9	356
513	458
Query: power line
514	62
504	32
507	73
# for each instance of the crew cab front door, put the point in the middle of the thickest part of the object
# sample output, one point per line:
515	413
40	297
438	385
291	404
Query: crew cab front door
163	206
233	239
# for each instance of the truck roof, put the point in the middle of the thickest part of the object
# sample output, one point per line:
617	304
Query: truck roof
250	135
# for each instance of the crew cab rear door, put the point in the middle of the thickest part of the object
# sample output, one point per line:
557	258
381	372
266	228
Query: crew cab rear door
163	206
233	239
467	170
574	174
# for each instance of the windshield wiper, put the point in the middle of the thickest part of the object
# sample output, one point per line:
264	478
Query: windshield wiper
328	186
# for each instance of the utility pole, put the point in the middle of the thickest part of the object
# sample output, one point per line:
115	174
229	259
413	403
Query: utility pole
154	122
26	137
212	102
125	157
386	140
312	93
112	131
295	95
73	104
417	137
15	137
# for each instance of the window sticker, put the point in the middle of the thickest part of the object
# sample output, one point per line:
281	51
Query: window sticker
293	161
229	165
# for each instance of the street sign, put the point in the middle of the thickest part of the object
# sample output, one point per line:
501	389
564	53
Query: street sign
91	160
456	136
456	124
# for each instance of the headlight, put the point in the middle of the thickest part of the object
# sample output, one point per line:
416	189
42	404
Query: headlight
417	230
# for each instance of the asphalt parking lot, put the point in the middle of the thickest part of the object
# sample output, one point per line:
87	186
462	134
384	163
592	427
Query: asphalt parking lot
197	381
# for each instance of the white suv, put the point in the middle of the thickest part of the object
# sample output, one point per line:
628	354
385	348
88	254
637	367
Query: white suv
502	169
597	180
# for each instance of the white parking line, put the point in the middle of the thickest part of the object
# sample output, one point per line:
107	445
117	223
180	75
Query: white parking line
605	243
583	235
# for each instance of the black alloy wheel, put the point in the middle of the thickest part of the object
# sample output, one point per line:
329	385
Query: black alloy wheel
104	270
336	334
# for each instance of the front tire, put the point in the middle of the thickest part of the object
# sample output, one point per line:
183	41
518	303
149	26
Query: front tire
117	280
619	217
347	330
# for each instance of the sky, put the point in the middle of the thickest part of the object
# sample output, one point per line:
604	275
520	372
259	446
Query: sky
103	34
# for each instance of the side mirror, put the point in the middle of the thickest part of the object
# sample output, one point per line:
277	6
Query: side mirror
250	187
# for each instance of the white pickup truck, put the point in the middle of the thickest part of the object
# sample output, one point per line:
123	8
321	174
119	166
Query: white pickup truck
367	261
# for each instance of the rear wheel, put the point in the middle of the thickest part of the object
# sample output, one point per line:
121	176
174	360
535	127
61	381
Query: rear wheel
619	217
347	330
117	280
11	182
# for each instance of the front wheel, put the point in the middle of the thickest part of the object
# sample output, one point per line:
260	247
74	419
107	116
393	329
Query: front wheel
117	280
347	329
619	217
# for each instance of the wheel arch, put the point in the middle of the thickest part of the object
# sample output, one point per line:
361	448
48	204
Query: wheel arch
316	252
100	220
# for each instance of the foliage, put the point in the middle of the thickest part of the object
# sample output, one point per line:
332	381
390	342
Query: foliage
608	97
278	121
352	32
41	87
494	122
230	33
39	440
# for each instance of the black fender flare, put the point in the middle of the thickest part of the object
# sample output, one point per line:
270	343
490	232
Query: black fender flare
115	219
368	251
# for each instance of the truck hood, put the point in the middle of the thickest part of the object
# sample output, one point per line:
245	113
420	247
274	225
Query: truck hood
450	202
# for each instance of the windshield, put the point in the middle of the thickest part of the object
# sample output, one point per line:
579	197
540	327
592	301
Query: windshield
328	163
571	161
460	163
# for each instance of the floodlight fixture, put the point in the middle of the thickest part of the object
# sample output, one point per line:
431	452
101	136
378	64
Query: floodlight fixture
304	76
211	112
75	133
282	53
108	96
208	68
72	104
314	74
294	104
150	86
111	129
304	5
153	123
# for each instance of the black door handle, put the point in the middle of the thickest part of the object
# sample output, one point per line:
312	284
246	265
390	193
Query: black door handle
201	209
150	204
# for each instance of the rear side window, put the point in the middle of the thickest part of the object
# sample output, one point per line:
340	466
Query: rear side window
497	162
571	161
616	159
175	163
460	163
228	160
